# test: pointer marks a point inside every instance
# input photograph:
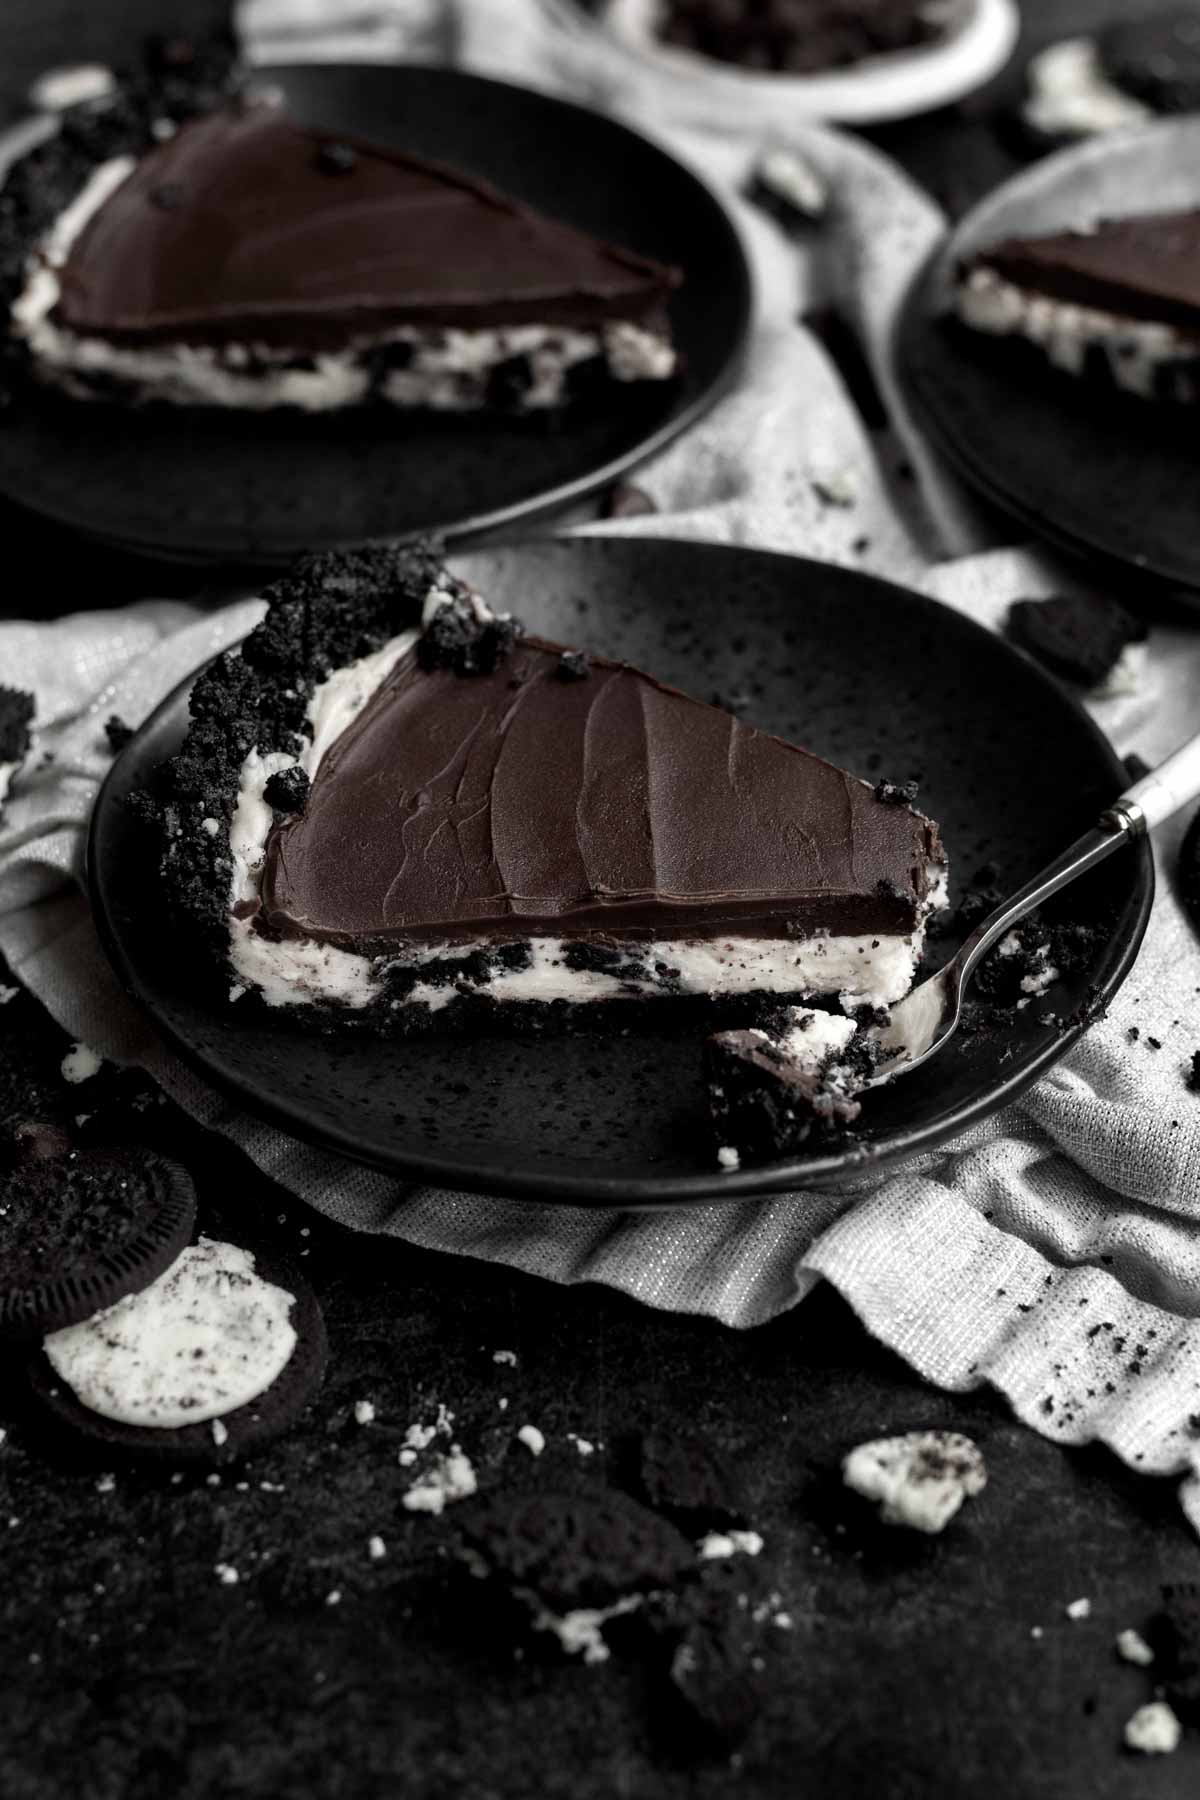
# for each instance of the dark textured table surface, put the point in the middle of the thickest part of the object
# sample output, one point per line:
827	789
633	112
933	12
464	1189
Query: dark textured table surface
911	1667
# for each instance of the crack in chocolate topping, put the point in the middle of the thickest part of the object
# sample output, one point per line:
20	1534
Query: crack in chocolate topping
518	802
263	244
1143	268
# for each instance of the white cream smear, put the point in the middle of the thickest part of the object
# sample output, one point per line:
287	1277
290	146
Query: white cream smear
1065	332
208	1336
447	370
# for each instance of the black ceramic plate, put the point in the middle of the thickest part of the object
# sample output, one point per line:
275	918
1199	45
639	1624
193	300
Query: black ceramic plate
873	676
216	487
1105	474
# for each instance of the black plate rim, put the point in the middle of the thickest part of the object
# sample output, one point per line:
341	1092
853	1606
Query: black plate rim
742	295
917	324
649	1192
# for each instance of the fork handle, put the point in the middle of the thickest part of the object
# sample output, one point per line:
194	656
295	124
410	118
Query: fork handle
1140	808
1158	795
1095	846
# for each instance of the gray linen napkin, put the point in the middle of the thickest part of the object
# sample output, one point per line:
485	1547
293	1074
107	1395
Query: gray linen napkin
991	1261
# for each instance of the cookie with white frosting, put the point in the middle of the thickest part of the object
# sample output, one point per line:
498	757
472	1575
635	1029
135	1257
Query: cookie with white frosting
217	1356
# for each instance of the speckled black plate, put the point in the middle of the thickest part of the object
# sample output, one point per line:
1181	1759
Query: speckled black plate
873	676
219	487
1098	472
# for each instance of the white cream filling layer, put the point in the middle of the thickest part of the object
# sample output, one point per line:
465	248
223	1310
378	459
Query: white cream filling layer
447	370
208	1336
861	971
1065	332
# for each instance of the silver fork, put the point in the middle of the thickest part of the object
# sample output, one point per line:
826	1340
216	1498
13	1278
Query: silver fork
924	1022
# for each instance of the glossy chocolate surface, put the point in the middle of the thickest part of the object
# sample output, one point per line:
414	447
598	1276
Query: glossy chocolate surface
524	803
247	228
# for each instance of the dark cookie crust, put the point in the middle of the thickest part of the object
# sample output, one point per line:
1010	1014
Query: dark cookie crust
178	82
83	1231
246	1428
327	611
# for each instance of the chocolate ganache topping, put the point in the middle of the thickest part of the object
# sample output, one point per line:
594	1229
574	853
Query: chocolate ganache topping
522	802
247	228
1142	268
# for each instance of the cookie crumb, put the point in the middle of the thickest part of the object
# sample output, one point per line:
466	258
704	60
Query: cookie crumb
1153	1730
920	1479
1133	1648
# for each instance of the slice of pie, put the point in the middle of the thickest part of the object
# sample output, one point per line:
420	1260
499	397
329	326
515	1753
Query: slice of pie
244	261
1120	301
394	805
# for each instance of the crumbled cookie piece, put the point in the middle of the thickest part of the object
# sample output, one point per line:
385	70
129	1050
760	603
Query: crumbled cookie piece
287	790
1079	638
920	1479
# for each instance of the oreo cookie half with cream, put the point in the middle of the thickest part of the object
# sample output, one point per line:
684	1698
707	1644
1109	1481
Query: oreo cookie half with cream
78	1233
441	820
217	1356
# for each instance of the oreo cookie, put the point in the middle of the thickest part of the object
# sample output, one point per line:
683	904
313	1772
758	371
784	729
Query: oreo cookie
684	1477
82	1231
1156	60
185	1379
575	1550
717	1689
1077	637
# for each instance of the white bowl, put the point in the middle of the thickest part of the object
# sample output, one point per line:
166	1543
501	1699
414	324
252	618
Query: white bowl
977	41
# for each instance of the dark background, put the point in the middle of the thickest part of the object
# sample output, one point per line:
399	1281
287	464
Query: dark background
913	1667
